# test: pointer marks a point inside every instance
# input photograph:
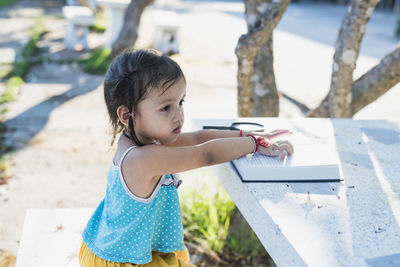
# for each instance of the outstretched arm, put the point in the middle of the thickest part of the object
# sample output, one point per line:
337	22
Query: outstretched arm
152	160
202	136
142	164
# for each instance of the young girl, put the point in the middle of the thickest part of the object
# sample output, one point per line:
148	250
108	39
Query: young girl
138	223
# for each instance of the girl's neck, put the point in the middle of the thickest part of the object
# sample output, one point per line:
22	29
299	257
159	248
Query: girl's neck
144	141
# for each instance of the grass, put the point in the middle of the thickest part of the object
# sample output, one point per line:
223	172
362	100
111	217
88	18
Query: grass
97	61
3	159
36	33
4	3
3	169
245	247
207	213
14	79
398	26
20	69
4	73
3	110
13	82
100	23
12	88
206	216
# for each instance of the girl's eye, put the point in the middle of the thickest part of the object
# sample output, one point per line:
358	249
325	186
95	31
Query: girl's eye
181	102
166	108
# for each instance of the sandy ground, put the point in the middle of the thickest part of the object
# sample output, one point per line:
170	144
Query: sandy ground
59	125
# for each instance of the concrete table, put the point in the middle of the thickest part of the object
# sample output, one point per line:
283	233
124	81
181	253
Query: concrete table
350	223
116	11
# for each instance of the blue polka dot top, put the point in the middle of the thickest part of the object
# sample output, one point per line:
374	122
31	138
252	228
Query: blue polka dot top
126	228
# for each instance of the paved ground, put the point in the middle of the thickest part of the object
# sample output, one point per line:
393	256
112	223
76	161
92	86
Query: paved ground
59	125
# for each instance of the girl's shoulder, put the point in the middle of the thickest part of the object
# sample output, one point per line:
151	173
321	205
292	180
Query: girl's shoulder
128	160
121	153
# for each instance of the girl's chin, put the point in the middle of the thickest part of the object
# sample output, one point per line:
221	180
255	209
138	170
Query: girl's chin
170	140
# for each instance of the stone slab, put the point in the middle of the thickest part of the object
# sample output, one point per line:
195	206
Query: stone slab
52	237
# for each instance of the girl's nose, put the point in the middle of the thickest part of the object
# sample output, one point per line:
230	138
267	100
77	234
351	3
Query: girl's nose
179	115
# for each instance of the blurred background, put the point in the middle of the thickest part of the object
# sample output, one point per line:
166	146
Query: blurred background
54	133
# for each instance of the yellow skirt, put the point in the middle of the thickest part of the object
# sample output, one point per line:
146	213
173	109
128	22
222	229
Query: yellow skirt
174	259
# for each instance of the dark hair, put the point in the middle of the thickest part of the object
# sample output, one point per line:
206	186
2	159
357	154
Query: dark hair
129	79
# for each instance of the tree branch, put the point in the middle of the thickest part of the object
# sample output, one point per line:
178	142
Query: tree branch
369	86
247	49
347	46
128	35
258	35
376	81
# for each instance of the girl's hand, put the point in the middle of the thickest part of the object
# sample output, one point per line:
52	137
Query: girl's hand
281	148
275	133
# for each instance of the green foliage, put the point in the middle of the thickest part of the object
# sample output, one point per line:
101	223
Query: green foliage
206	216
12	86
4	3
100	24
207	212
20	69
3	164
3	129
3	150
36	32
3	110
398	26
245	247
5	72
98	61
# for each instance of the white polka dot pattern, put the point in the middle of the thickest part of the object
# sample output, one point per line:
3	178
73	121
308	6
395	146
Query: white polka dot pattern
123	229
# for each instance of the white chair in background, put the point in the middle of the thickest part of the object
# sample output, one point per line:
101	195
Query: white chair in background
79	18
166	38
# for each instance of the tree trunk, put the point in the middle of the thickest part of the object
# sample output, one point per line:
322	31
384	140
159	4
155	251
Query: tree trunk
376	81
265	94
247	50
347	47
370	86
129	32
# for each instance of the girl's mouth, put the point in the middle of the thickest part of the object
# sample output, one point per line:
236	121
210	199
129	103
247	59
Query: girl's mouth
177	130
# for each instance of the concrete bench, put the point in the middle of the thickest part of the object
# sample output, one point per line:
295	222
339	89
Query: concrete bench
79	19
166	38
52	237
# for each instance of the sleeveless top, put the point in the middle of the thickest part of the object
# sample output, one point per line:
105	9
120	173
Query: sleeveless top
126	228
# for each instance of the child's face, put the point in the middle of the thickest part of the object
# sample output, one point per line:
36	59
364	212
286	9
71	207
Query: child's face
160	115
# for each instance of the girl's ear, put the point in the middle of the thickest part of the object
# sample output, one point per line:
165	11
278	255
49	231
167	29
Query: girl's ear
123	115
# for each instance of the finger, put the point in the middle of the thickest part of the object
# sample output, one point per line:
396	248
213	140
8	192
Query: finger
291	148
285	146
279	132
276	133
274	150
288	146
283	154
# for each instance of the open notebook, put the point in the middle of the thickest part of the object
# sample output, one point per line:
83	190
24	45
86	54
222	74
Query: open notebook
315	159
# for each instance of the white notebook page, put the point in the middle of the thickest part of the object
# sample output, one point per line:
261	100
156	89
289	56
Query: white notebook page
314	158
